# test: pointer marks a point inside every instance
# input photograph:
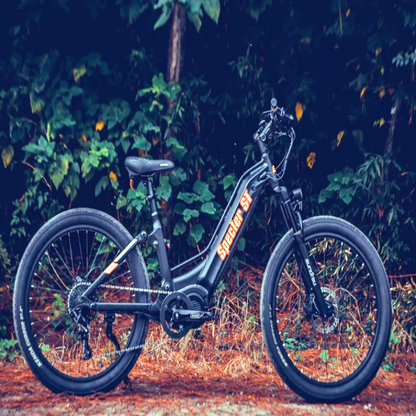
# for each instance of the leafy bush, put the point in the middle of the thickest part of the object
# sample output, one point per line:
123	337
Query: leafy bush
74	103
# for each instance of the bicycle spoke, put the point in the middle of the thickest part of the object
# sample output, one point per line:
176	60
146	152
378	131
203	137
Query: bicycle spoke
80	249
319	348
95	258
57	252
70	252
57	333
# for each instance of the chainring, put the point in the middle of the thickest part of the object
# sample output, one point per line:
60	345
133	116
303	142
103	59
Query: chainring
174	301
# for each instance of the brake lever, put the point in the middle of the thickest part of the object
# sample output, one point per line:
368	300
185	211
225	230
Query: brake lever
278	134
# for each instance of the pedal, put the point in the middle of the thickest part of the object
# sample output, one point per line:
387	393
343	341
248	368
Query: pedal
186	315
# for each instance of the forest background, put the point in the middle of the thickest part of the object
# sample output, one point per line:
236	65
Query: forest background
83	84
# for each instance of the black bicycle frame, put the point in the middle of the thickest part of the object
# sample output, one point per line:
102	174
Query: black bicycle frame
217	255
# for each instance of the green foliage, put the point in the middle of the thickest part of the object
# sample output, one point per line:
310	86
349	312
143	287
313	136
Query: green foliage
255	7
388	365
194	9
69	116
343	183
132	9
404	303
8	349
197	204
379	185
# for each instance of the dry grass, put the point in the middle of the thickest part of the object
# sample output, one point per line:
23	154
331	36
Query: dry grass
232	345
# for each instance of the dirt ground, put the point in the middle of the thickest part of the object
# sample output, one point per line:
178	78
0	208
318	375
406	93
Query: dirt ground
171	390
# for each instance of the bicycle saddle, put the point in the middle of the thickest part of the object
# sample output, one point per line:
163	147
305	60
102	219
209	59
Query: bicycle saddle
139	166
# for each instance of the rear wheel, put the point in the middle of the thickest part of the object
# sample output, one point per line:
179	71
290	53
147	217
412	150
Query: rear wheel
62	259
334	359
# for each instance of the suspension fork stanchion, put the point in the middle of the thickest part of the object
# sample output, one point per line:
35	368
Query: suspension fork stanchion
307	269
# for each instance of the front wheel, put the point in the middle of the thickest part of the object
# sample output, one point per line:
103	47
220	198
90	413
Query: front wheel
328	360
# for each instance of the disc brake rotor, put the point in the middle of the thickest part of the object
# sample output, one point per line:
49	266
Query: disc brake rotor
329	325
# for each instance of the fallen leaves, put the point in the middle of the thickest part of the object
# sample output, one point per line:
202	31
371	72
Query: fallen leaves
165	383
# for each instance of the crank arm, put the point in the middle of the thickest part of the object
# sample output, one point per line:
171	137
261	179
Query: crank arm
185	315
309	277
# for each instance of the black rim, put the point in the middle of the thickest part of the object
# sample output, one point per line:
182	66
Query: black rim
326	353
55	282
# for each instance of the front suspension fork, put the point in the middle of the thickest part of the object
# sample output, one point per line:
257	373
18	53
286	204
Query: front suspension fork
308	275
293	221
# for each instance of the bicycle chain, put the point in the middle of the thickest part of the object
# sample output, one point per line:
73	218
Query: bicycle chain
129	349
136	289
141	346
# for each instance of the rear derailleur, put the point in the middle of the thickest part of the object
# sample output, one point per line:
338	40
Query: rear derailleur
83	334
82	315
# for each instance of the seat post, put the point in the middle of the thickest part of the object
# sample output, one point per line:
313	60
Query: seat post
151	197
157	240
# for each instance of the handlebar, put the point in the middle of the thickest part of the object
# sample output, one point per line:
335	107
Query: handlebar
277	111
276	115
271	127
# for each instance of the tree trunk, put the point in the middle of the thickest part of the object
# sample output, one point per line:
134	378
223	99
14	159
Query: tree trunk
394	111
176	43
176	54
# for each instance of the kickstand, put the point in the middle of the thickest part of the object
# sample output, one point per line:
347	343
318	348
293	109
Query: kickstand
127	381
110	318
